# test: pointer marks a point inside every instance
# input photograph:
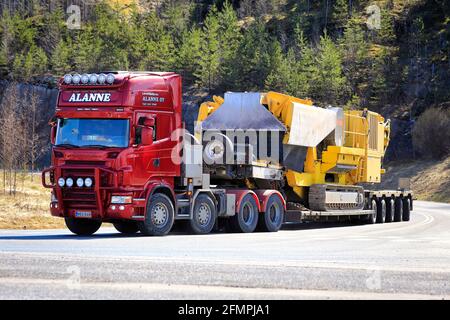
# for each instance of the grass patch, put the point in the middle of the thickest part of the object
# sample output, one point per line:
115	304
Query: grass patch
29	208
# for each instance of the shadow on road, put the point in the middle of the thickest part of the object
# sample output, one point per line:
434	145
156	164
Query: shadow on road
176	231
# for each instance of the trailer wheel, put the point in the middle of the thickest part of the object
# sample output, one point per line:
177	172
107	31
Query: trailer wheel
372	217
390	209
246	219
381	210
406	209
398	212
126	227
159	217
204	215
271	219
83	227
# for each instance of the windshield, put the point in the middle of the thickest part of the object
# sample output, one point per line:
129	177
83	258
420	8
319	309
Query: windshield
93	132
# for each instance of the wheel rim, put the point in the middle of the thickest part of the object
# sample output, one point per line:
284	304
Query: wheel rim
203	214
248	213
159	214
274	213
375	211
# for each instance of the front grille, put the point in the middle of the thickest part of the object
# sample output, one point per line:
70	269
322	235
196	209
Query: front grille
79	198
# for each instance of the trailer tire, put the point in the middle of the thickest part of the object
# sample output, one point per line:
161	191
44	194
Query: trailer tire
398	212
390	209
160	216
272	218
204	215
246	219
126	227
406	209
83	227
372	217
381	210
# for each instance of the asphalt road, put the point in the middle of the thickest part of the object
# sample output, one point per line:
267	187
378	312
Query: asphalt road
403	260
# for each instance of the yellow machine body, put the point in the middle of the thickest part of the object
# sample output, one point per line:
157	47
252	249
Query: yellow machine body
366	137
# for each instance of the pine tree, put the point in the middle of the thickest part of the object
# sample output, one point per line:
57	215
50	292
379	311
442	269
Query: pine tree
209	63
189	53
229	39
330	83
61	58
356	60
340	13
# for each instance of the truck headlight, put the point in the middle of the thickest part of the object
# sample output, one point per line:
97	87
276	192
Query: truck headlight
88	182
121	199
53	197
61	182
69	182
80	182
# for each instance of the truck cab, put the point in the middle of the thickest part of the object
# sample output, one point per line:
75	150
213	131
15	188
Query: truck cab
113	134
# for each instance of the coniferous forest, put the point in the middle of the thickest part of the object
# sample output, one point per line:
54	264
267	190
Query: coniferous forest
389	56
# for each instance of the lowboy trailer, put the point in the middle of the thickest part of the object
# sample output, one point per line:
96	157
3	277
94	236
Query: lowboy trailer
255	161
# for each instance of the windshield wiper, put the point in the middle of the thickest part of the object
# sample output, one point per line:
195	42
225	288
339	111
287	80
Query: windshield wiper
100	146
67	145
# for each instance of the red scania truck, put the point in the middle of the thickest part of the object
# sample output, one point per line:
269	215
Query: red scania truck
119	155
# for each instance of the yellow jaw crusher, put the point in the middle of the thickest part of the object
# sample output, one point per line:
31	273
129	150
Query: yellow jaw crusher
327	151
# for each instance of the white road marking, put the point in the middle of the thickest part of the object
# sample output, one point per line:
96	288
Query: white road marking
258	293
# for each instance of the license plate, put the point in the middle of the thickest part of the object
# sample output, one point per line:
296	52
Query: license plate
83	214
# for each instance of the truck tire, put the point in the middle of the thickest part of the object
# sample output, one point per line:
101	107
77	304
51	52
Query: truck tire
83	227
381	210
159	216
372	217
246	219
406	209
204	215
390	209
272	218
398	212
126	227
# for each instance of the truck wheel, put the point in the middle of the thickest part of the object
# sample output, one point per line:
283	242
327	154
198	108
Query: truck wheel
406	209
83	227
390	209
204	215
398	212
159	216
126	227
246	219
372	217
381	210
272	219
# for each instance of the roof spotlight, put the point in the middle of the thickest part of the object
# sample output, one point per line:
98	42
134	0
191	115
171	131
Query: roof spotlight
76	78
68	78
102	78
85	78
93	78
110	78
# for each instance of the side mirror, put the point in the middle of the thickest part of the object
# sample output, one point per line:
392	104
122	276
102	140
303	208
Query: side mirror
53	134
147	136
53	124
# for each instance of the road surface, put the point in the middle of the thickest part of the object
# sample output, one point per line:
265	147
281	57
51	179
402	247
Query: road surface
403	260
